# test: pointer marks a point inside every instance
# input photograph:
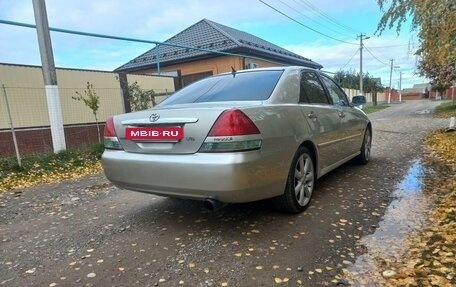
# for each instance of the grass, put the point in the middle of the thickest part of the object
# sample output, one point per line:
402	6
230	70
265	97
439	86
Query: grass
45	168
446	110
372	109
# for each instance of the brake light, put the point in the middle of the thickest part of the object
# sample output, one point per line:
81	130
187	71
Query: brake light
109	130
110	137
233	131
233	123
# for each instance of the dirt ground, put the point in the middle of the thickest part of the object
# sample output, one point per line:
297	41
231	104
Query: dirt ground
86	232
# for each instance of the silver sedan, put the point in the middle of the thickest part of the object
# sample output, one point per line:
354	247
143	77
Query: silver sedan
239	137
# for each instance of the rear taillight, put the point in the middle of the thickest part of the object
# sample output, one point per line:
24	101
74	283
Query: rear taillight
110	137
233	123
232	131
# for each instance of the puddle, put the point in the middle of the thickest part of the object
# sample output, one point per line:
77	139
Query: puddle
404	216
412	182
423	112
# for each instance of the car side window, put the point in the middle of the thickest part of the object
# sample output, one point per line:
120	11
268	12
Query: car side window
312	90
335	92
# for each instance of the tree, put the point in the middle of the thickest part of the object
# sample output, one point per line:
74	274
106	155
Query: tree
92	101
435	21
350	80
140	99
440	88
347	79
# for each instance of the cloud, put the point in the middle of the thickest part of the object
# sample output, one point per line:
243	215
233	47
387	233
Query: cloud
159	20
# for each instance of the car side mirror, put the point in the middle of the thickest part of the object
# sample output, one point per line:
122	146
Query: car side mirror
359	100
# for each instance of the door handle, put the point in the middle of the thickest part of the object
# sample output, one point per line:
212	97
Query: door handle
312	115
341	115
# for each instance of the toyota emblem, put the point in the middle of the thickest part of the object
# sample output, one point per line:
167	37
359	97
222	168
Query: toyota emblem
154	117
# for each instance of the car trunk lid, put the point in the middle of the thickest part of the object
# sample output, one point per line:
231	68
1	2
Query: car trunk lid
186	125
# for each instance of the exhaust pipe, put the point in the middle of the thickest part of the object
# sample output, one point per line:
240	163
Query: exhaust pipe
213	205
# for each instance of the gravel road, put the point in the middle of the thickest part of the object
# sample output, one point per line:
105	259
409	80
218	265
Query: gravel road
86	232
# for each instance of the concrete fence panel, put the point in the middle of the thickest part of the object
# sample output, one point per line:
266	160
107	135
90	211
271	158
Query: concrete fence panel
25	91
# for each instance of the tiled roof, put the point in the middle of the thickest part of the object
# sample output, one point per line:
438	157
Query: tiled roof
213	36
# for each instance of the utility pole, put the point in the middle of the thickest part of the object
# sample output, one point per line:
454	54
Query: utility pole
361	37
391	75
452	92
49	75
400	87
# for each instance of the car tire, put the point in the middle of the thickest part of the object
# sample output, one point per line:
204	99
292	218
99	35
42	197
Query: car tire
300	183
364	156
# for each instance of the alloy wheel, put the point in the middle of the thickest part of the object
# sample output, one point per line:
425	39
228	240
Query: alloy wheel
304	179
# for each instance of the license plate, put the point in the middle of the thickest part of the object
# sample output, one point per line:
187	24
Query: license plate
162	134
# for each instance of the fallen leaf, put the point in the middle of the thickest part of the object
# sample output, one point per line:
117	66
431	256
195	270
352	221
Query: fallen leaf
31	271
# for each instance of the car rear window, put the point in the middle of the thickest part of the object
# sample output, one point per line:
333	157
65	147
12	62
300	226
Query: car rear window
245	86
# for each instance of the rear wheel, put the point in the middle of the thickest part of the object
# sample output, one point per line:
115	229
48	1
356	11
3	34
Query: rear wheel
364	156
300	183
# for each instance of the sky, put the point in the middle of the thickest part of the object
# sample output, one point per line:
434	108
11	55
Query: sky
331	40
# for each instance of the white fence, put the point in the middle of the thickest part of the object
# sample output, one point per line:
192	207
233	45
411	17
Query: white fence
381	97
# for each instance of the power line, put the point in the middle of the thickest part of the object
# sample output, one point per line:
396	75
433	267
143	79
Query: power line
379	52
389	46
356	52
314	9
310	18
132	40
310	28
369	51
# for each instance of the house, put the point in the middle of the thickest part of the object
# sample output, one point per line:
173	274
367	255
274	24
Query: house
426	90
417	92
193	64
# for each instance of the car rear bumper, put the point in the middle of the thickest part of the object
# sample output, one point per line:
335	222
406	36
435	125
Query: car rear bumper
227	177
